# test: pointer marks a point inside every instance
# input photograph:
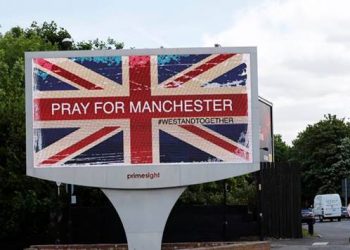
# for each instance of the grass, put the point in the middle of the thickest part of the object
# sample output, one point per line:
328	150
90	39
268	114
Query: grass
306	233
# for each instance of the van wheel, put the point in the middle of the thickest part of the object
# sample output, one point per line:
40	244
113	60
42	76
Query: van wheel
339	219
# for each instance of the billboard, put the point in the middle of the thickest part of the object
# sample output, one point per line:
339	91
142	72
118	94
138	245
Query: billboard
141	118
266	131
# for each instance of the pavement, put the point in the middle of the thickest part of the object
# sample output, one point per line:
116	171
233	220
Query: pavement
328	235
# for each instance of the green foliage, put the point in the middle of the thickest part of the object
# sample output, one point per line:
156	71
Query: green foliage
98	44
28	207
317	150
281	149
49	34
343	162
240	191
23	200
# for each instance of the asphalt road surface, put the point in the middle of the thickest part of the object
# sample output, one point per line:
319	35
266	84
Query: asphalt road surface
328	235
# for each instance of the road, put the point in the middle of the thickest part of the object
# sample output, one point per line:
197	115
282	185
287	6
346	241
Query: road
328	235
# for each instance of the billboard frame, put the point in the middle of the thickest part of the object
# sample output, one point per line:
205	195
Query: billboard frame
173	174
270	105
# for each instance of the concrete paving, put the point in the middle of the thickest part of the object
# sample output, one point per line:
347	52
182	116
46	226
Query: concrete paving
328	235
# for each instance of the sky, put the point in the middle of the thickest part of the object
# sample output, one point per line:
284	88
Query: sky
303	45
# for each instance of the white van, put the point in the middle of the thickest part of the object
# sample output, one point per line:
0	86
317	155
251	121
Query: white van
327	206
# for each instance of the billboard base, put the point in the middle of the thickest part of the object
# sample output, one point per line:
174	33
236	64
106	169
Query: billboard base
144	214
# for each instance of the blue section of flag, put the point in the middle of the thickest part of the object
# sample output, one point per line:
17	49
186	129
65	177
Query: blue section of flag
235	77
46	136
170	65
110	67
173	150
46	82
235	132
108	151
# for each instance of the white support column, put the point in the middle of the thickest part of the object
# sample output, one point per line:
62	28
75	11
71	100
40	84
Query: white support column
144	214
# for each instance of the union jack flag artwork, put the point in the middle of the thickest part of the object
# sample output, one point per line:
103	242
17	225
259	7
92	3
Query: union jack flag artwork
146	109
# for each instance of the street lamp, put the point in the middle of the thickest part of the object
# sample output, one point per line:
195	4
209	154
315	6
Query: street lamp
67	43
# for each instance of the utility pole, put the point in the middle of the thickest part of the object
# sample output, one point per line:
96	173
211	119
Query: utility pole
346	191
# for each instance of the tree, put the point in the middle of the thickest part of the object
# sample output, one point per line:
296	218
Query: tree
49	33
28	206
343	163
53	35
281	149
22	199
240	191
317	150
98	44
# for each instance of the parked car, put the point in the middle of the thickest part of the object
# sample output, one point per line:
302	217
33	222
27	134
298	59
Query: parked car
327	206
307	216
344	212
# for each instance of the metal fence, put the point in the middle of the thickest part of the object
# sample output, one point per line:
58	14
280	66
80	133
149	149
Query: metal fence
280	200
